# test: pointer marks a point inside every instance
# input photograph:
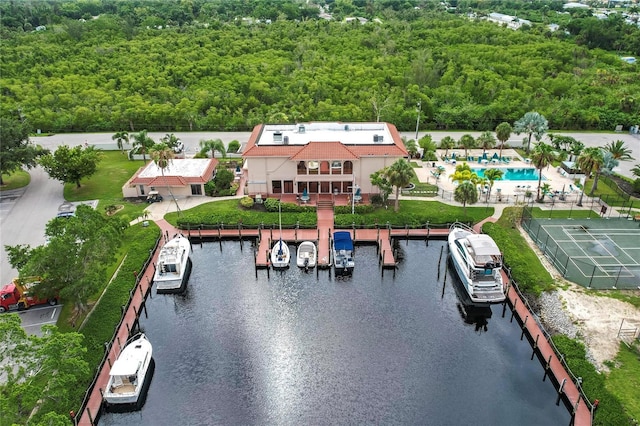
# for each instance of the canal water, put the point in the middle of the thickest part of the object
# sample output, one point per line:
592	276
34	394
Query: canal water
307	349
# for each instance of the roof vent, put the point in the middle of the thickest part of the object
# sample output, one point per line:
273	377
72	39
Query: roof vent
346	127
286	140
301	128
277	137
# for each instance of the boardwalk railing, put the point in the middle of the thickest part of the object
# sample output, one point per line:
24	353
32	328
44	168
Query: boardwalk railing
576	379
109	345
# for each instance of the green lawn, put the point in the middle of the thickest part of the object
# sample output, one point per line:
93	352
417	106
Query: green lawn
624	380
106	184
18	179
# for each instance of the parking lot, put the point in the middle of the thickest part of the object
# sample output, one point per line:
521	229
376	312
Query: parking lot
35	317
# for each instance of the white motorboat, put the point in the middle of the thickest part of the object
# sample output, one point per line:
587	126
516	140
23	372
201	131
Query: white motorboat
174	265
478	261
280	254
343	262
130	374
307	255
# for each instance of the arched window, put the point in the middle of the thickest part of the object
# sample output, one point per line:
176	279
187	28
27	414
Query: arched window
347	167
302	168
324	168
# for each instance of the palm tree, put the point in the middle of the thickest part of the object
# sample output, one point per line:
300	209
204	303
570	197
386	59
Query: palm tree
412	147
619	151
399	175
532	123
447	143
463	173
213	145
575	149
171	140
120	138
143	143
467	142
636	170
588	162
163	155
486	141
503	133
465	193
492	175
541	157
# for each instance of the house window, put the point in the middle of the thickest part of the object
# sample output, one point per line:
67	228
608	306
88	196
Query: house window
336	167
288	187
301	187
313	167
335	187
325	188
276	186
348	167
324	168
141	189
196	189
302	168
313	187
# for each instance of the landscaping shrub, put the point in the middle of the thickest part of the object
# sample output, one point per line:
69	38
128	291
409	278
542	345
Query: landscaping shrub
247	202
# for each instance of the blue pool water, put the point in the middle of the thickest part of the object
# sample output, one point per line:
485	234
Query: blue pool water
514	174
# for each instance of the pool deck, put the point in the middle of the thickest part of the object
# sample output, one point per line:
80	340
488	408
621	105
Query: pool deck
557	179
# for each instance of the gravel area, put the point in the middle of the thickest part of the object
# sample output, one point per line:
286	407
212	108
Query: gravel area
554	317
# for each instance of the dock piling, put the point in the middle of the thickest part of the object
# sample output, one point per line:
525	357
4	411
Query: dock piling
560	391
524	327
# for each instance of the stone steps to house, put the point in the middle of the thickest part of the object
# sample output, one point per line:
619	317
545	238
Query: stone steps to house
324	205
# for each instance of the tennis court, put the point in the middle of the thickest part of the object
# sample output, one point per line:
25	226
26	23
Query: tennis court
595	253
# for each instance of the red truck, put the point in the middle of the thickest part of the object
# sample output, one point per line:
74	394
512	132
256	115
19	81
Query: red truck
16	296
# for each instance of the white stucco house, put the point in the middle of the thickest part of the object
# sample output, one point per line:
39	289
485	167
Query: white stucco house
185	177
319	157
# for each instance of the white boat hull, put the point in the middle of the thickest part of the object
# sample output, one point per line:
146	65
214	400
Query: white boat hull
130	374
280	255
174	266
307	255
482	281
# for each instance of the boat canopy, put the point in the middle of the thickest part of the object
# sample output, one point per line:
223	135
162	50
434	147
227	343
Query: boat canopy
125	367
342	240
483	245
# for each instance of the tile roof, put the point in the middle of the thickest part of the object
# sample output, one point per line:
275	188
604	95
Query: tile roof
324	151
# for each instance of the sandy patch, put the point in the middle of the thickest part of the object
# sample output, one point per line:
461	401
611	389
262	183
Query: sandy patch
598	318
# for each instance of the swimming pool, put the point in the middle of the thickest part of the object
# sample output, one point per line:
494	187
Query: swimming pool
513	174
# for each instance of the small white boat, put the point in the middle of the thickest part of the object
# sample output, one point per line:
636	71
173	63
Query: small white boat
280	255
343	262
130	373
307	255
478	262
174	265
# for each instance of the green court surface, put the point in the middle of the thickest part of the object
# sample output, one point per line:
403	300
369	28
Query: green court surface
595	253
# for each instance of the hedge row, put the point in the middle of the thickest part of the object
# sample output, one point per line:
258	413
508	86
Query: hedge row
246	218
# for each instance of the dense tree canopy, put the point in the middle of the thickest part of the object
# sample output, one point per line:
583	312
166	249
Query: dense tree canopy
193	66
70	165
38	371
16	150
73	263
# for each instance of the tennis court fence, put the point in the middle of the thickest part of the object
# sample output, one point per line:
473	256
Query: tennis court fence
582	271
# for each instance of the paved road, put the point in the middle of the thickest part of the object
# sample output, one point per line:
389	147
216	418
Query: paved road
23	219
192	139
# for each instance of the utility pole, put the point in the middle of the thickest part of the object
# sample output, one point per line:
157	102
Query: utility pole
418	119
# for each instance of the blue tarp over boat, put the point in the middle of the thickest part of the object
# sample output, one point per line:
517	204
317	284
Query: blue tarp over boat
342	240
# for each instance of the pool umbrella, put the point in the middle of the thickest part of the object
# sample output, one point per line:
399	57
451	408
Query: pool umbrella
495	156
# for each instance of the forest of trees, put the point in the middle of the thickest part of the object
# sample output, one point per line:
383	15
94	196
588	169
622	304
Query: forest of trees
198	65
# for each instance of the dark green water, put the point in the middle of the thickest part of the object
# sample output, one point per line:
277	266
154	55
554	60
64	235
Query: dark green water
297	349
